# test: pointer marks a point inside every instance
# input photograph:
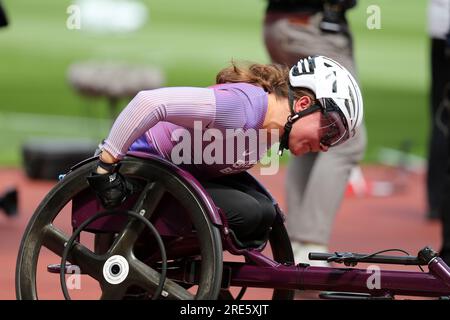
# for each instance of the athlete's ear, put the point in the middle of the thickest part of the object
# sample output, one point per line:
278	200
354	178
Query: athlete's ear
303	103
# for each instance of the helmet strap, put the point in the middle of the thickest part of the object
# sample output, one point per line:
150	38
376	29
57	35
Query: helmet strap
291	99
292	118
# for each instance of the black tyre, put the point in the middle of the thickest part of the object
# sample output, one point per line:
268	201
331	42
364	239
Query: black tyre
158	182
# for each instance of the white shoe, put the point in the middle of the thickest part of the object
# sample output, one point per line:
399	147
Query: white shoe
302	249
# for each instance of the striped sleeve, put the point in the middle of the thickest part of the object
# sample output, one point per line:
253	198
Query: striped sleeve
178	105
230	110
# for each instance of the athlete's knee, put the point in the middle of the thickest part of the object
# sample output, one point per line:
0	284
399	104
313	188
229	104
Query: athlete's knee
268	213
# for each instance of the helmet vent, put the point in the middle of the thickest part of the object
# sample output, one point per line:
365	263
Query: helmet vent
351	96
347	106
312	64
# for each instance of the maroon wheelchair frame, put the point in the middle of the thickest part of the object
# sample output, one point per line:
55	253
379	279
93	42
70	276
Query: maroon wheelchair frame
262	271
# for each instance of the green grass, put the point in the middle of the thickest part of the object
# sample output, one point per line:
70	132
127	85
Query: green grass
191	41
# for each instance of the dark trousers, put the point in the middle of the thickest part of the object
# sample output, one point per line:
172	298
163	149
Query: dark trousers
250	214
439	161
437	152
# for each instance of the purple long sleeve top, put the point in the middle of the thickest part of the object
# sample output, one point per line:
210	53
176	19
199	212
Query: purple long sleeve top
213	131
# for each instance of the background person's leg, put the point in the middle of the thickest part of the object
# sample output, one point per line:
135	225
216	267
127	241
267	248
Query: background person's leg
312	205
437	155
445	210
3	19
315	182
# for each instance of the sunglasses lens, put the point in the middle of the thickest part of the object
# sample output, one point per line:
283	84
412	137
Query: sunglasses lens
332	129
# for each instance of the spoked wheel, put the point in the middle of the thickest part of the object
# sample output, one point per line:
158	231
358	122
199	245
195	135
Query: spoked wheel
279	247
143	269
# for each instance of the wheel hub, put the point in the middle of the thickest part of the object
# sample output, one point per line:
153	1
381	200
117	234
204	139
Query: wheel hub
115	269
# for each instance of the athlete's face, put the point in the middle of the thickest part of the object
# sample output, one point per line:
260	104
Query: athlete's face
307	132
306	135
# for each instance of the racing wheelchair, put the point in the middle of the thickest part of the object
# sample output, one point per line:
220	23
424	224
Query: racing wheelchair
168	239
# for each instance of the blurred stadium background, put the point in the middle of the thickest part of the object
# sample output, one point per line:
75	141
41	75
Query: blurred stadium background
190	41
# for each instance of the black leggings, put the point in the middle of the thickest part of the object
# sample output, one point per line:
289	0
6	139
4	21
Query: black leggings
249	213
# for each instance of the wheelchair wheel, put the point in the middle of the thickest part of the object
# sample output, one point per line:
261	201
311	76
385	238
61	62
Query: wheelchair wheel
157	182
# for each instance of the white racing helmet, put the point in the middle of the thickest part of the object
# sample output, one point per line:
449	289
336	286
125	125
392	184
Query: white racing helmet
335	88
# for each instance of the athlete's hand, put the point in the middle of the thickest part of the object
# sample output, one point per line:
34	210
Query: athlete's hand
111	188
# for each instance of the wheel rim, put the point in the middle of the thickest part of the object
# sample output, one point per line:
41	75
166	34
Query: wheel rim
41	233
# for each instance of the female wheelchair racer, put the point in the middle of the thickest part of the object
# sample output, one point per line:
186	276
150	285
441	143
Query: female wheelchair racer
196	208
166	226
319	98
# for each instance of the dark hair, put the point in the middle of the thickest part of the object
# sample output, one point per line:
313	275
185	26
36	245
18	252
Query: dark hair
273	78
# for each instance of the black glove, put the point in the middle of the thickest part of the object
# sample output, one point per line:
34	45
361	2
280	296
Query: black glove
111	188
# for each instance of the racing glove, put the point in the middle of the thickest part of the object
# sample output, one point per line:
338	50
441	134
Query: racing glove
111	188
